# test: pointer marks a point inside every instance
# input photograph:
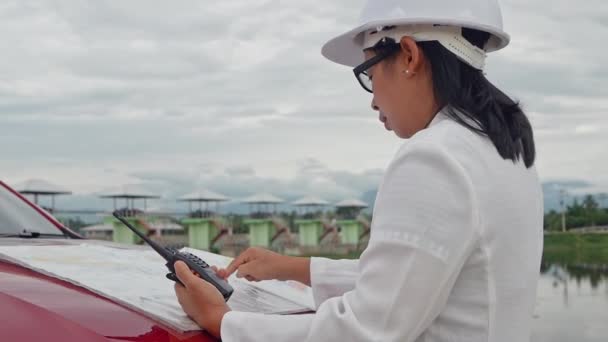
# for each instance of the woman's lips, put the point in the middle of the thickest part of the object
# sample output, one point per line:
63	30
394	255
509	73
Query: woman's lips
384	120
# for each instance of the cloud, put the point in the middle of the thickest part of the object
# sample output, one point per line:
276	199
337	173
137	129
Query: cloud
236	96
310	178
236	181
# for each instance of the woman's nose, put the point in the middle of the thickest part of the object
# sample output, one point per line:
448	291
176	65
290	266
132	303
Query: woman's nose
374	107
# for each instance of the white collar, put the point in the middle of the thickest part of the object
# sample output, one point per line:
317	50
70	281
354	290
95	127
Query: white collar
440	116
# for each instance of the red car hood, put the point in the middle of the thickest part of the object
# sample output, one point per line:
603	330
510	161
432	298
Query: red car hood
40	308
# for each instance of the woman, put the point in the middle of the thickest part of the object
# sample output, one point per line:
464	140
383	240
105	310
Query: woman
456	237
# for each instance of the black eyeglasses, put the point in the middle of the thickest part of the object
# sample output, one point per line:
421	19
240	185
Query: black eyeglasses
361	70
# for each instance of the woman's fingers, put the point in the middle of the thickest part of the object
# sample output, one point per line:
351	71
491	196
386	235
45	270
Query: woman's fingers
232	267
243	258
248	271
220	272
185	275
223	273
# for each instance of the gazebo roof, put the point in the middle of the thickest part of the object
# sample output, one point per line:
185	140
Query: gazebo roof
131	191
351	203
310	201
263	198
203	195
40	187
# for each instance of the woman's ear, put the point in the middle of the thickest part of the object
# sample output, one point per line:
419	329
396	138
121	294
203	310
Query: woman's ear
411	56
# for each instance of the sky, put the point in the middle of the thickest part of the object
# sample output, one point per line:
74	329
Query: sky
235	96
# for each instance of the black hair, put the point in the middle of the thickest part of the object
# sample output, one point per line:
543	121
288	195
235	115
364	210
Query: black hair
474	102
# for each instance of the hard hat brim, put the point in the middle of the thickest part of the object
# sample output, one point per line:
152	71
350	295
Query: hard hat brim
347	48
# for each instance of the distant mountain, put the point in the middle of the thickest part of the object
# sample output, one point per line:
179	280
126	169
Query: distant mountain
369	197
575	189
551	193
551	190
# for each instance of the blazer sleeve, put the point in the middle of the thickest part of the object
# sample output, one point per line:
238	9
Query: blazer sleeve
425	226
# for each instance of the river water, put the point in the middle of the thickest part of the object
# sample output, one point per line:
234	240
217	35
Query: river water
572	304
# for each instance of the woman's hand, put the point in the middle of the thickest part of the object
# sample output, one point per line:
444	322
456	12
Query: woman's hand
256	264
200	300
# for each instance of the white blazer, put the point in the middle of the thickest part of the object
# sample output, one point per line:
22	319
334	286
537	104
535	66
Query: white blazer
454	253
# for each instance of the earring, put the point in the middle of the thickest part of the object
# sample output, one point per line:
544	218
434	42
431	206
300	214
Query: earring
407	72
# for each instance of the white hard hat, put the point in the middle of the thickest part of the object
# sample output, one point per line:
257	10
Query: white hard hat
423	20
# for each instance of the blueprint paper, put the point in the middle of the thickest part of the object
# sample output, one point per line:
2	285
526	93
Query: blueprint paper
290	290
136	278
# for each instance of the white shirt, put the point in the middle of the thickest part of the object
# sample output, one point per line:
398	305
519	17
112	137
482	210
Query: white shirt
454	253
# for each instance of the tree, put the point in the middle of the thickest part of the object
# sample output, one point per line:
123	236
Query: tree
602	199
552	221
580	213
591	206
575	209
590	203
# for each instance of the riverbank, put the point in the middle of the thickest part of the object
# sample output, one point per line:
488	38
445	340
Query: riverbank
573	248
562	248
